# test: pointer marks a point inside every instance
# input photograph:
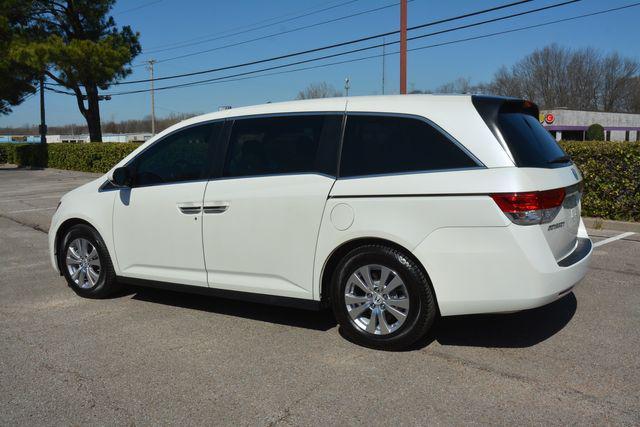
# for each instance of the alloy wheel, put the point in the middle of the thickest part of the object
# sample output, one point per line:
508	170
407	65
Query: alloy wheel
83	263
376	299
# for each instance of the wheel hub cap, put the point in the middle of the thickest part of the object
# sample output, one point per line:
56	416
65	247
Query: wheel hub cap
83	263
376	299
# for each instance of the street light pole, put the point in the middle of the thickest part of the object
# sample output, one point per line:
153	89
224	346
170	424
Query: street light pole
153	105
403	46
384	44
43	124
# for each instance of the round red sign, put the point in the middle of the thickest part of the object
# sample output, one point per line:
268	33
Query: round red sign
549	118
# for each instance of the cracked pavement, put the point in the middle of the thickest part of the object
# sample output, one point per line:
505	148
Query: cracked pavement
148	357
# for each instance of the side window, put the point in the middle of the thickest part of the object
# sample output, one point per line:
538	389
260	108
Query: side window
278	145
387	144
182	156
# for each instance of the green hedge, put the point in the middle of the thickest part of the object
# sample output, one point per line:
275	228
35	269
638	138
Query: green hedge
611	173
611	169
91	157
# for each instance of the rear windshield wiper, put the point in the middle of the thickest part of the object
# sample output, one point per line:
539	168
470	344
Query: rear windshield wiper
561	159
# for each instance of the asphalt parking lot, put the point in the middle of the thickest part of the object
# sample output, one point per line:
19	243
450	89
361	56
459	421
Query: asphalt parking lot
148	357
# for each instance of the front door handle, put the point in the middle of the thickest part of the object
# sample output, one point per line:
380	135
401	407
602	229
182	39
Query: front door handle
215	207
190	208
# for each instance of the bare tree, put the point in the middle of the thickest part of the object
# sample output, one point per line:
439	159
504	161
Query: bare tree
583	81
460	85
504	84
126	126
318	90
580	79
617	81
633	100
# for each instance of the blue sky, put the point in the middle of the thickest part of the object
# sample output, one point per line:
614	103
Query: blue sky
164	23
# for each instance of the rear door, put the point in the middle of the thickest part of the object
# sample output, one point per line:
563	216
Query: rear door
157	223
261	217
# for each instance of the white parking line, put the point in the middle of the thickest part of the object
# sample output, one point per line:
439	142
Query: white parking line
32	210
613	239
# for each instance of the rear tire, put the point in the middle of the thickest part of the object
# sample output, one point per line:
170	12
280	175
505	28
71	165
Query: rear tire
86	264
390	309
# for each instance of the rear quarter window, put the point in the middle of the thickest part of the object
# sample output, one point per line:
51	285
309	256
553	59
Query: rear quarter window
529	142
375	145
515	124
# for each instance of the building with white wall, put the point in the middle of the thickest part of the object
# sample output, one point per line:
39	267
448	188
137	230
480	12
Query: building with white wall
573	124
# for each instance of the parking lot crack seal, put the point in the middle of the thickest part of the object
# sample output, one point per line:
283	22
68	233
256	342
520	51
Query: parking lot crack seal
608	270
543	387
32	226
285	414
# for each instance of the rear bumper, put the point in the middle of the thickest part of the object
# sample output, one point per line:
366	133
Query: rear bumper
498	269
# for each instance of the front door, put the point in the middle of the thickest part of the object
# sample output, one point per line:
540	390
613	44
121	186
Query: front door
157	224
261	218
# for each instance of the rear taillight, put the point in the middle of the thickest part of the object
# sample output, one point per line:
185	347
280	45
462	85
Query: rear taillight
535	207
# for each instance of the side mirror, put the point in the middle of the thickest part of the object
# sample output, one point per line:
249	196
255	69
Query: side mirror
122	177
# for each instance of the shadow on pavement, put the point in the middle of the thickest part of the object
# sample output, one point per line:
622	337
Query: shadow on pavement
317	320
516	330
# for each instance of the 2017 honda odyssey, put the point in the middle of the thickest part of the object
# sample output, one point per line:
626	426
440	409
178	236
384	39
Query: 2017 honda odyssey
390	210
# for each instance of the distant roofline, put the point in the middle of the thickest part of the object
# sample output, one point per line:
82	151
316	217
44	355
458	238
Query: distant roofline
587	111
584	128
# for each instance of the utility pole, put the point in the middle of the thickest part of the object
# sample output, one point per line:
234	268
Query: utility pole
43	124
153	105
347	85
403	46
384	44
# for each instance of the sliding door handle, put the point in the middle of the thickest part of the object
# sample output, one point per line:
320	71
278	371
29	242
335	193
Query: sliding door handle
190	208
215	207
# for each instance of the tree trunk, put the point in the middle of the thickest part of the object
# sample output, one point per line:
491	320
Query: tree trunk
92	115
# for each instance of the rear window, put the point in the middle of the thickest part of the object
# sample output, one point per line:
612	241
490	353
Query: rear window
529	142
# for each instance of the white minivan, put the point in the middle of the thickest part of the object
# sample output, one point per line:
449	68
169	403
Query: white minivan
391	210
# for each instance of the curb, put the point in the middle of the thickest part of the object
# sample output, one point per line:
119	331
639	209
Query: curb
608	224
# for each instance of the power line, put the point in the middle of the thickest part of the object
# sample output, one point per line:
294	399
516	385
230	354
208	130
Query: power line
27	96
229	79
332	46
379	45
466	39
305	61
246	75
191	42
52	89
137	7
239	77
292	30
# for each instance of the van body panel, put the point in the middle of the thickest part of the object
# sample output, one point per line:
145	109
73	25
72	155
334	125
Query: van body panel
273	234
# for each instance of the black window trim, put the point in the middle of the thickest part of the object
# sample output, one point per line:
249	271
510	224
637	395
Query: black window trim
227	142
465	150
224	140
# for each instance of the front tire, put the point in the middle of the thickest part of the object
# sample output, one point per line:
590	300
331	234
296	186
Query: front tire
382	298
86	264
